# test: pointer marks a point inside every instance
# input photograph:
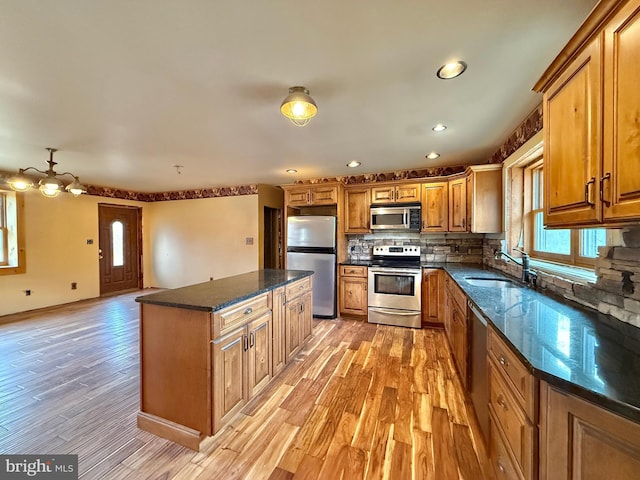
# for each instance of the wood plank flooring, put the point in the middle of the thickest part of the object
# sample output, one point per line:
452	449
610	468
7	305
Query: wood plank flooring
360	402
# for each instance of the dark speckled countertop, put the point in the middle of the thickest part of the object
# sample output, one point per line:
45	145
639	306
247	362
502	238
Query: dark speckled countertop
580	351
218	294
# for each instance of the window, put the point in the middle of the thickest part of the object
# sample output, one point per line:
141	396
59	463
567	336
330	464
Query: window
570	246
12	251
117	241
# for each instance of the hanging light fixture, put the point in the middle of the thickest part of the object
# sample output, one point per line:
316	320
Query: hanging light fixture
51	185
298	106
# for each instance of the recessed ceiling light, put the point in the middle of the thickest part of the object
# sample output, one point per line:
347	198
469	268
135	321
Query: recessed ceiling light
432	155
292	170
451	70
440	127
353	164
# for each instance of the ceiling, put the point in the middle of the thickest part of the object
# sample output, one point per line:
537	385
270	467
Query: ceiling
125	90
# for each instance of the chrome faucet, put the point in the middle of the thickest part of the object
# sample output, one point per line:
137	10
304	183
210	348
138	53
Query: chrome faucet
528	275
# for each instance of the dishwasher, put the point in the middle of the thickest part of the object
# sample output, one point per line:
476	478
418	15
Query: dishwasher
479	390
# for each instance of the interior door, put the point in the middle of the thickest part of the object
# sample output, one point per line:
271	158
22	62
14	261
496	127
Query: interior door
120	252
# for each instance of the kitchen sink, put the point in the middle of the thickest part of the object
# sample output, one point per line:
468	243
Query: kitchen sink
490	282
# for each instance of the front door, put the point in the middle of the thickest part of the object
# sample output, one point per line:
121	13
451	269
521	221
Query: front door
120	235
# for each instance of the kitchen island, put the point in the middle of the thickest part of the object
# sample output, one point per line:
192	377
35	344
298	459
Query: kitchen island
206	349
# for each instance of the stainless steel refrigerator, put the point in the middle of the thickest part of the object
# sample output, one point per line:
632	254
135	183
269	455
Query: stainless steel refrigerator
311	245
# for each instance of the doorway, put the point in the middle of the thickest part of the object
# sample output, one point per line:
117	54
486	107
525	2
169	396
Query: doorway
120	235
272	238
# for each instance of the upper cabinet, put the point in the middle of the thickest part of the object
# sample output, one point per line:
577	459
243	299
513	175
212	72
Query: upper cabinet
435	207
484	199
458	205
356	209
305	195
396	193
591	109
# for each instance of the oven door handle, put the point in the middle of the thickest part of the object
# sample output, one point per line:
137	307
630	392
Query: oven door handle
405	313
395	272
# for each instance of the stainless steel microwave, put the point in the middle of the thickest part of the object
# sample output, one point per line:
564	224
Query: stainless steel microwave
396	217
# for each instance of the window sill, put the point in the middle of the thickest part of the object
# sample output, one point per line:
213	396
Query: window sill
575	274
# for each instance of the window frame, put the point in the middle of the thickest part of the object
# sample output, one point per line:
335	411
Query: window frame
12	211
574	258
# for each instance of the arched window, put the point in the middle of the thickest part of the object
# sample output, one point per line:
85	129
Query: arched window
117	242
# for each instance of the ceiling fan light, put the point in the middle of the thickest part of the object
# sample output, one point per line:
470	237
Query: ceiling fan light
50	186
298	106
20	182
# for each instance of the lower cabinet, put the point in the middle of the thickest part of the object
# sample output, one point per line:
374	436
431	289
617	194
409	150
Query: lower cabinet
456	327
432	297
241	367
298	323
278	329
353	290
580	440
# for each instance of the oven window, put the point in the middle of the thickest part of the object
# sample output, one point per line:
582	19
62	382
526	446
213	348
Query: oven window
394	284
396	219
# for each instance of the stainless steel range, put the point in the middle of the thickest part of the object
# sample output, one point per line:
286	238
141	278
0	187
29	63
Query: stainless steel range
395	281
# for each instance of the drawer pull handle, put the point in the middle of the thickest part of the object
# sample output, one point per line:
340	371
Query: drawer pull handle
248	311
503	361
501	402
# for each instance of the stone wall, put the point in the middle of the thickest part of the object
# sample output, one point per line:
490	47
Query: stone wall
435	248
615	292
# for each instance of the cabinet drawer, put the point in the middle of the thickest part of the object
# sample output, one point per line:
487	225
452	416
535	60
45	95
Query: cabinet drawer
297	288
231	317
353	271
517	431
522	382
501	460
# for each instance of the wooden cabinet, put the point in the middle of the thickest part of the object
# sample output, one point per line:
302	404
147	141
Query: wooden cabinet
298	316
353	290
241	367
278	329
580	440
435	207
432	297
591	108
298	196
456	327
512	412
484	199
458	205
396	193
356	210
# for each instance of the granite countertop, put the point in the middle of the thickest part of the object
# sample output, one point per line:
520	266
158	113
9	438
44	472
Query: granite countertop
218	294
582	352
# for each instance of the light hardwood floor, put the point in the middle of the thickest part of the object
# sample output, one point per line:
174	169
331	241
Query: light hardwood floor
360	401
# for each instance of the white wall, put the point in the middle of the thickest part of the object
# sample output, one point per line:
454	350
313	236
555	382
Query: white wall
193	240
185	242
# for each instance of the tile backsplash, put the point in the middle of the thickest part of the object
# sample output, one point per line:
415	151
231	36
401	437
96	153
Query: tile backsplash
436	248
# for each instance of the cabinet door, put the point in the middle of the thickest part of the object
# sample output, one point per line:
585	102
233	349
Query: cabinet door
278	329
580	440
458	205
621	179
306	317
324	195
229	390
259	354
386	194
435	207
432	297
298	196
353	295
573	135
357	210
408	192
460	342
293	335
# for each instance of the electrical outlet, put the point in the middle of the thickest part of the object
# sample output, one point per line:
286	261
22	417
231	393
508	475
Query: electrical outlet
27	292
74	286
89	241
